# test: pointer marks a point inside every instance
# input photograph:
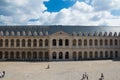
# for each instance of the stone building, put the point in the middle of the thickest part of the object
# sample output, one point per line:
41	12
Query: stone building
56	42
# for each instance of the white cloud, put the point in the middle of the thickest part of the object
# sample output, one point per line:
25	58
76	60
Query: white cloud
81	13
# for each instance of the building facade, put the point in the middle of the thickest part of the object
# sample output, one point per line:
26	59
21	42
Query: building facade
58	43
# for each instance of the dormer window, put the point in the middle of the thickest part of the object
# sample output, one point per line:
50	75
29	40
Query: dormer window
60	32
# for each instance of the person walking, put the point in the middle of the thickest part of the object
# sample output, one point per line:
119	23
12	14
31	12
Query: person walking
102	76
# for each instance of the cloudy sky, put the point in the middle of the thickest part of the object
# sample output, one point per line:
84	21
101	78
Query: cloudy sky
60	12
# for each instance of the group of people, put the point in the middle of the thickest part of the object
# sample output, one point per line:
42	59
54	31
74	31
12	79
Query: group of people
102	77
85	76
2	74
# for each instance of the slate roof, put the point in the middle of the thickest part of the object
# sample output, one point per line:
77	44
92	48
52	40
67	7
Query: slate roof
55	28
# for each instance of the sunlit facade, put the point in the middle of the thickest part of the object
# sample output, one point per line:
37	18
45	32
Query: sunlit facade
57	43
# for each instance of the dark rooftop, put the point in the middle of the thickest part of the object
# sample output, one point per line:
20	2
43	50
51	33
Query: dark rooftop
54	28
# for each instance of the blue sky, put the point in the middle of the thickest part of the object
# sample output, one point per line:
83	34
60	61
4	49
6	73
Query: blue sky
60	12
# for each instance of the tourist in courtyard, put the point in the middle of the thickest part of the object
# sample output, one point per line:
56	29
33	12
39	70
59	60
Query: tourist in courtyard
102	76
2	74
48	67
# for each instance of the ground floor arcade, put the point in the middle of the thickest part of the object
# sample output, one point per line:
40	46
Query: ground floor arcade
48	55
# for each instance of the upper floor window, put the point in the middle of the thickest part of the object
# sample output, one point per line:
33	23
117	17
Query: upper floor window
90	42
54	42
85	42
96	42
74	42
111	42
12	43
1	42
23	43
116	42
34	42
46	42
6	42
29	43
60	42
106	42
101	42
17	43
79	42
66	42
40	42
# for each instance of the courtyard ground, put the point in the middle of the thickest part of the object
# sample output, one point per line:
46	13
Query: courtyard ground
63	70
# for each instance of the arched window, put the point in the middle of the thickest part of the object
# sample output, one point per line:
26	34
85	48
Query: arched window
46	42
106	42
96	42
116	43
85	42
85	55
119	42
67	55
6	42
34	43
46	56
17	43
116	54
1	43
12	42
40	42
11	55
74	55
96	54
60	42
60	55
90	42
101	42
54	42
101	54
91	54
17	55
111	42
106	54
79	42
66	42
29	55
111	54
80	55
23	55
6	55
54	56
34	55
40	55
74	42
29	42
23	43
1	55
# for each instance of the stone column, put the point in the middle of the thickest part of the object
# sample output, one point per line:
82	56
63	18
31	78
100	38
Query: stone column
20	43
57	43
63	55
43	43
26	42
31	43
3	55
50	56
9	43
71	55
57	55
14	43
63	43
3	43
37	43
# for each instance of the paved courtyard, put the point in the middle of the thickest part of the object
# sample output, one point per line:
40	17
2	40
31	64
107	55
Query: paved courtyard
68	70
